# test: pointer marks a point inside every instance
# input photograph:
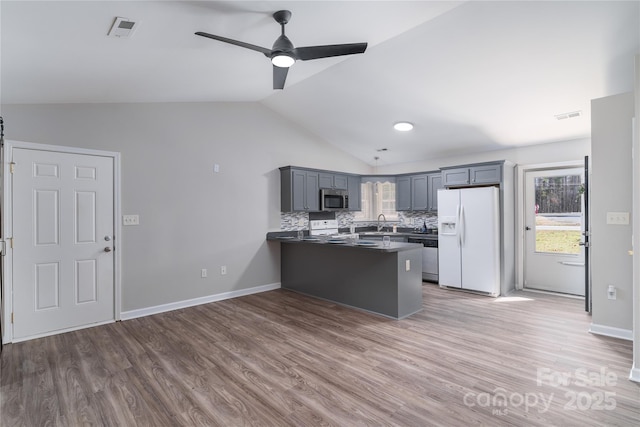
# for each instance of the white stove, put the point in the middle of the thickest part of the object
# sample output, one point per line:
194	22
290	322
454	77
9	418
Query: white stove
325	227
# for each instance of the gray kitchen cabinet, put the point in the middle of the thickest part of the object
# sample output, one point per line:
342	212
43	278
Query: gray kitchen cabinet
419	192
483	174
403	193
299	190
336	181
434	184
486	174
458	176
354	183
415	193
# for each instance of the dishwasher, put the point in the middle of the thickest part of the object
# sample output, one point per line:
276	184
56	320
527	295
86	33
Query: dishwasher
429	257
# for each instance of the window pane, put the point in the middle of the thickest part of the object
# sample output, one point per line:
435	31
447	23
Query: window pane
377	198
558	205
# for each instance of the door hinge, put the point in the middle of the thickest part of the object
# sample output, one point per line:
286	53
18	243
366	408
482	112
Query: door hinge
11	317
12	167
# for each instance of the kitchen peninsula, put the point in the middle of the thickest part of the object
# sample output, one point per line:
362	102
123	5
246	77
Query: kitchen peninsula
382	280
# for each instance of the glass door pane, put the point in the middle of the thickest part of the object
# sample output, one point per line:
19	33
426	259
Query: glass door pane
558	209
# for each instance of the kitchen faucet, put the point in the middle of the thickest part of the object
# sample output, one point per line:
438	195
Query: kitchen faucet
384	219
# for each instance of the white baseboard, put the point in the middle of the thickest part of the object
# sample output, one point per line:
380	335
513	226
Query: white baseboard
132	314
634	375
609	331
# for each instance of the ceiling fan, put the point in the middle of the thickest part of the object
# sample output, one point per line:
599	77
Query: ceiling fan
283	54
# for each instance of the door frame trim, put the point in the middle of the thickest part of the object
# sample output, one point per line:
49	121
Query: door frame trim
7	227
520	211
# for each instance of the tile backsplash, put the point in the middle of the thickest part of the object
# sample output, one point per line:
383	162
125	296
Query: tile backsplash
292	221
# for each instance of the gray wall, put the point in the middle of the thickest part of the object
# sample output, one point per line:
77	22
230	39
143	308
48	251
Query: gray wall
190	217
611	191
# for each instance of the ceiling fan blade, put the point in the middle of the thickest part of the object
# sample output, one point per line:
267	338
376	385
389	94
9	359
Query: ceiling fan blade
260	49
279	76
315	52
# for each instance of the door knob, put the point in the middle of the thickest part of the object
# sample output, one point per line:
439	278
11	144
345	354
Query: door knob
107	238
107	249
527	228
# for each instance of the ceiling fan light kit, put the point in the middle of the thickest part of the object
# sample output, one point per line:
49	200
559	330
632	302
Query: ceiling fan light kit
282	61
283	54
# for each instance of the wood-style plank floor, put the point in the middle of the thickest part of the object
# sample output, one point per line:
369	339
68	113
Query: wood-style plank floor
279	358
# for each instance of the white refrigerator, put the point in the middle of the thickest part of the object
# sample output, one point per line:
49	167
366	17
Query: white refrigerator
469	239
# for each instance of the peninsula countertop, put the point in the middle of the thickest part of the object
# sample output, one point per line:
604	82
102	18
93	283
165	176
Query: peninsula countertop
371	245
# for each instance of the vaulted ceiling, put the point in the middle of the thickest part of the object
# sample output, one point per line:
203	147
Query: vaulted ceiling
472	76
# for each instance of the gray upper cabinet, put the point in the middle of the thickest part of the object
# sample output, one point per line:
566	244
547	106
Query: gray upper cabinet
458	176
434	183
354	183
415	192
403	193
485	174
419	193
337	181
299	190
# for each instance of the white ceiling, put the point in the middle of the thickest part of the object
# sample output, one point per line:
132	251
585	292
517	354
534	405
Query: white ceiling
472	76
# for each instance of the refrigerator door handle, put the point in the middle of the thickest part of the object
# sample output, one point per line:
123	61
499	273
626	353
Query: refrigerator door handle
461	225
458	225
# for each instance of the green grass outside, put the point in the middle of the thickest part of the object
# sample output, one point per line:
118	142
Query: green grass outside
562	241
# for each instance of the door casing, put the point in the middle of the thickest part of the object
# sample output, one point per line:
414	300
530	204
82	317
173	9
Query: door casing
7	229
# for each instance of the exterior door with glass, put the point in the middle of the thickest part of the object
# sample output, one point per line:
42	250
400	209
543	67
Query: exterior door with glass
554	218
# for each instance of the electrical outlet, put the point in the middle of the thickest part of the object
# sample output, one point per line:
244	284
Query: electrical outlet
301	222
130	219
611	292
216	168
618	218
203	273
223	270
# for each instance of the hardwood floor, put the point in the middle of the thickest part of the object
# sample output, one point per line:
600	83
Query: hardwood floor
279	358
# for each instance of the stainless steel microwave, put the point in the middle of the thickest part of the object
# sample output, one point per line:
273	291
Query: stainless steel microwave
333	200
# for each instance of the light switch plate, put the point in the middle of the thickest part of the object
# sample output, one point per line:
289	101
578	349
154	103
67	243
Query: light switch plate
618	218
130	219
407	265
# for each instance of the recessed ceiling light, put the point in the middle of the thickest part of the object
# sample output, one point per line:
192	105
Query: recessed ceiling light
403	126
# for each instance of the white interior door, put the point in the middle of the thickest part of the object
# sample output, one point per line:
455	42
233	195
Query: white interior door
63	230
554	258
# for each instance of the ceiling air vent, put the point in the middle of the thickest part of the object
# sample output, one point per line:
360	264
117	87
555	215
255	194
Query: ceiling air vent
123	28
568	115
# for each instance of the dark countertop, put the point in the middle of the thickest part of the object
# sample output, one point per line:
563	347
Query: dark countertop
375	246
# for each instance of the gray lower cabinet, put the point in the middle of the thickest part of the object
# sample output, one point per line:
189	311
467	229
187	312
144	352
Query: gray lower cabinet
336	181
299	190
484	174
387	282
354	186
